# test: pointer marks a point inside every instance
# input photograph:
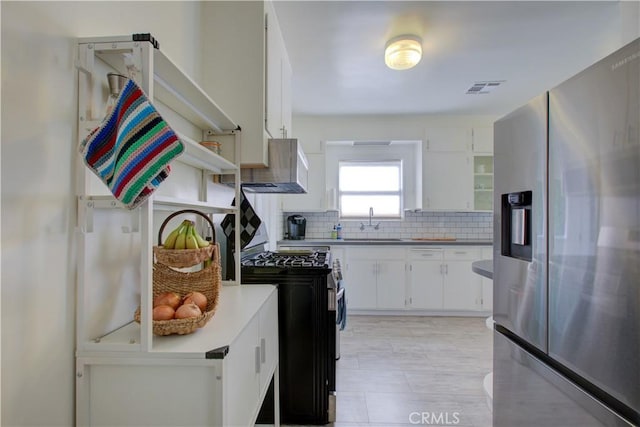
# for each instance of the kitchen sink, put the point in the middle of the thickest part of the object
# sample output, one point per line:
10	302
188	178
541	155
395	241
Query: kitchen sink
371	239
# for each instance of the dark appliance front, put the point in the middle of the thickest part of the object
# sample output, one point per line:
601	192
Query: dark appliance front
307	333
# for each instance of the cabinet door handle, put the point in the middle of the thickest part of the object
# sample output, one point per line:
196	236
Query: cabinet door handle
446	269
257	359
263	350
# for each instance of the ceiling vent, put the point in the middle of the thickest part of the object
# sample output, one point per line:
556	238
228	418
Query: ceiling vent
480	88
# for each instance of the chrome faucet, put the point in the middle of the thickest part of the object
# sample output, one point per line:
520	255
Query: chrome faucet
375	227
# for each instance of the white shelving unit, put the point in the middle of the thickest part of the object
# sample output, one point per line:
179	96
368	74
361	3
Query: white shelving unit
115	259
193	115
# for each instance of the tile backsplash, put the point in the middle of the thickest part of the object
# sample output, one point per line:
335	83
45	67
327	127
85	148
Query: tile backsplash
461	225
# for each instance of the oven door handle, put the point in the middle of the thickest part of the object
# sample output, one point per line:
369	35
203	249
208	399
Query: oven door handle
334	297
332	303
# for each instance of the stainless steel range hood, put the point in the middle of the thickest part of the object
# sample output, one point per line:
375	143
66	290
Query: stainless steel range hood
288	170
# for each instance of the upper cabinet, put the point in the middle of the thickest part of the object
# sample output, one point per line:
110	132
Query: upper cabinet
448	139
278	78
445	169
447	181
482	140
457	166
247	70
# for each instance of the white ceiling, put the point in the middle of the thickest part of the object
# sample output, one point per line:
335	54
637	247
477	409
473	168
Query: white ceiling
336	51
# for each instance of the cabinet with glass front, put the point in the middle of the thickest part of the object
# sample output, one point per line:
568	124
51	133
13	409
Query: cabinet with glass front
483	183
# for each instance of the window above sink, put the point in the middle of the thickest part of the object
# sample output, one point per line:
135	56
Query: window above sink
390	194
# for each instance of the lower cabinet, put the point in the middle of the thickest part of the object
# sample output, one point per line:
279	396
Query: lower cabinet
217	376
426	279
462	287
375	278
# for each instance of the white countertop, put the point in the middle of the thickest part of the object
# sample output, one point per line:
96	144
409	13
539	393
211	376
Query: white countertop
237	305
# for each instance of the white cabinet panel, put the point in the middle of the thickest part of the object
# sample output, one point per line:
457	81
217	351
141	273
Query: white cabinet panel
390	284
360	284
375	278
482	139
447	181
254	86
461	286
426	285
268	342
244	369
448	139
278	79
462	289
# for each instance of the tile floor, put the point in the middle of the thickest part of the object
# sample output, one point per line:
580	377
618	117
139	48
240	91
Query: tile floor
406	371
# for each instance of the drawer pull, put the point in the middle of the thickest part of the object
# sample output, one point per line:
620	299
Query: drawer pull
263	350
257	359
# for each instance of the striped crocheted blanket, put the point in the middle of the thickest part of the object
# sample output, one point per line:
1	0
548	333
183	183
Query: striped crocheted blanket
132	148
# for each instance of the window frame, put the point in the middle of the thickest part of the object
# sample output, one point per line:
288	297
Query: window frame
397	163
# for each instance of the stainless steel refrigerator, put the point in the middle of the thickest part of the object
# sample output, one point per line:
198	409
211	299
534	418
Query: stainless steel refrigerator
567	252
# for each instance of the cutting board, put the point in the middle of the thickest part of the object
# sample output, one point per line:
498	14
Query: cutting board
435	239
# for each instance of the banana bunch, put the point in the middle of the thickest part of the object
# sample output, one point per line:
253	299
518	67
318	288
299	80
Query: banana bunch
185	236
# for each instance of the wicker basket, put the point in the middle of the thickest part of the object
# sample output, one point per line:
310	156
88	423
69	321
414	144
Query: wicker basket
207	281
183	257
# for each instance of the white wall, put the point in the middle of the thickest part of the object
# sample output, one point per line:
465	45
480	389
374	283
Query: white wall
313	131
39	97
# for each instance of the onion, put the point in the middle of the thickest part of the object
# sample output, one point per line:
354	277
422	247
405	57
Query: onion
163	312
186	311
167	298
198	298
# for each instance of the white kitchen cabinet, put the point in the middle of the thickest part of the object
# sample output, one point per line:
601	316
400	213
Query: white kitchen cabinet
315	198
446	181
454	138
278	79
441	280
483	182
462	287
426	279
375	278
486	283
248	72
482	140
360	284
216	376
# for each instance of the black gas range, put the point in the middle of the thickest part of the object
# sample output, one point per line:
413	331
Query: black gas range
288	259
307	331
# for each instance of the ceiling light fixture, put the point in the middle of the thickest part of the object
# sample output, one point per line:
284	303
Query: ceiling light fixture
403	52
